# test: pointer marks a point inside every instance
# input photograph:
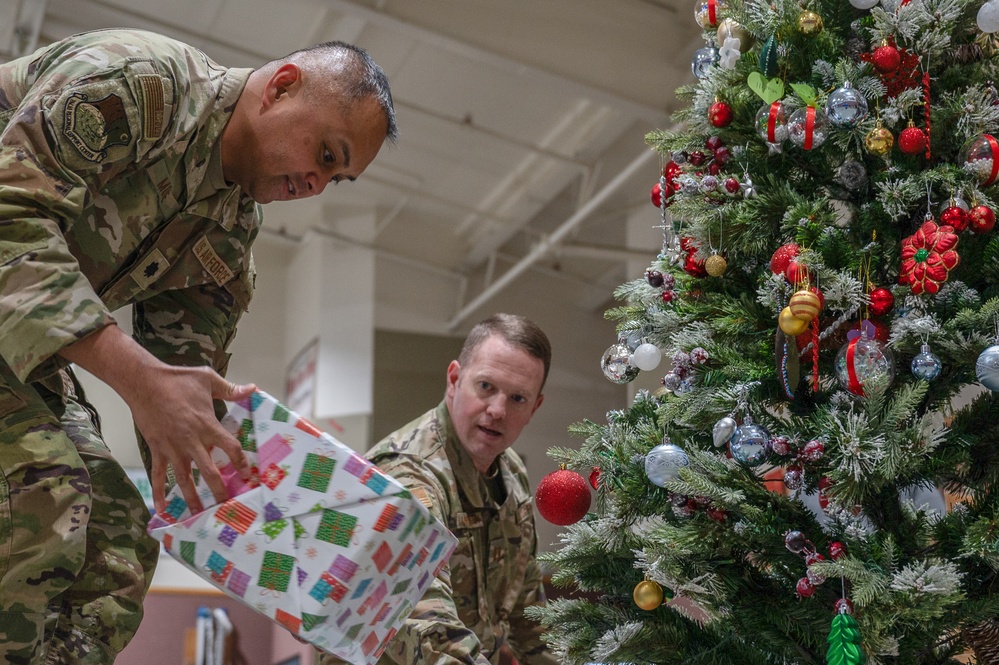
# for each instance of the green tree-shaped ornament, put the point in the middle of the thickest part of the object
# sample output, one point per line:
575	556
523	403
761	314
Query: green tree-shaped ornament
844	642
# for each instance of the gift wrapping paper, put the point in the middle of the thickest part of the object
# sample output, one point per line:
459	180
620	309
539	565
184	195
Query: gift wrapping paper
318	540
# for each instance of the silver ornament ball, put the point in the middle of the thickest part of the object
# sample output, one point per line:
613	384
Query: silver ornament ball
663	463
987	368
750	445
846	106
616	364
723	431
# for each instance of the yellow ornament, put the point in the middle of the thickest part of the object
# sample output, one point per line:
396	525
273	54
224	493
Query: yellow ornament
715	265
731	28
648	595
804	305
790	324
809	23
879	141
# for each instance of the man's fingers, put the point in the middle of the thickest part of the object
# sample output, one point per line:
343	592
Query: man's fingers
229	391
185	482
158	481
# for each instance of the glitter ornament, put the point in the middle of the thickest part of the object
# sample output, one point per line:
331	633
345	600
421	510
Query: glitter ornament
704	59
794	477
864	363
846	106
715	265
782	257
646	357
987	368
790	324
729	28
708	13
671	382
804	305
955	216
886	58
723	431
988	17
750	445
979	158
709	183
808	127
852	175
780	445
720	114
912	140
616	364
882	301
925	365
809	23
771	123
663	463
648	595
879	141
562	497
813	451
981	218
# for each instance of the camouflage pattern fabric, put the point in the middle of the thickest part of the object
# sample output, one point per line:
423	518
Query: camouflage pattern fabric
476	605
111	193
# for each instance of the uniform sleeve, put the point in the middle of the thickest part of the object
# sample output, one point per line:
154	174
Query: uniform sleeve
432	633
83	121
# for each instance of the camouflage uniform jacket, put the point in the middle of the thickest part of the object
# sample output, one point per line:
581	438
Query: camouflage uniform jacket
111	193
477	603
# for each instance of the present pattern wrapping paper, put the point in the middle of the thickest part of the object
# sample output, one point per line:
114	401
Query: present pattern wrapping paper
319	540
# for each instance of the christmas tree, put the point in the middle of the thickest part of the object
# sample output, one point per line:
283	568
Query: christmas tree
828	295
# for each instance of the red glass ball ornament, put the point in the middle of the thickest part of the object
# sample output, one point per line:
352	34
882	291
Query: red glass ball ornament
720	114
714	168
882	301
696	158
562	497
843	605
722	155
805	588
671	171
912	140
955	216
886	58
981	219
782	257
595	477
813	451
656	195
732	186
717	514
712	143
837	550
694	267
822	299
813	557
687	245
797	273
824	484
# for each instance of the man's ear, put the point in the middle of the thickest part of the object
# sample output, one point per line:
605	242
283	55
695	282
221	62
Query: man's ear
285	79
453	372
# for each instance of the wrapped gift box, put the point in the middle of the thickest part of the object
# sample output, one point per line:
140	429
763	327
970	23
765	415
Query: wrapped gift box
319	539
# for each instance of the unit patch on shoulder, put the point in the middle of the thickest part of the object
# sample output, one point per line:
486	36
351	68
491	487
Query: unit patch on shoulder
211	262
94	126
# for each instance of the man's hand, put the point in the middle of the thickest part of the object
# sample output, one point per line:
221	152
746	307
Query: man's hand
172	408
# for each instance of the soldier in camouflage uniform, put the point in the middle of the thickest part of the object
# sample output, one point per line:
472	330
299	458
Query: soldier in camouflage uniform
456	460
131	169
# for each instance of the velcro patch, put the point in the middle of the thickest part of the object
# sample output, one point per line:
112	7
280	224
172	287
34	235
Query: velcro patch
422	495
211	262
152	106
94	126
150	268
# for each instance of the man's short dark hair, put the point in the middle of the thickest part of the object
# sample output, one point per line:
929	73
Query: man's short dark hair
517	331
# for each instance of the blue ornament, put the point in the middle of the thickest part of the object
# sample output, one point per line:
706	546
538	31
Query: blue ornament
925	365
704	59
663	463
750	444
987	368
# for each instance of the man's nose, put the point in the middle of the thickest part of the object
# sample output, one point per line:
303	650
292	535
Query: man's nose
496	407
315	184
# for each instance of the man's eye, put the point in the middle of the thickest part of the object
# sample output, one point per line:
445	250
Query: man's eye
328	156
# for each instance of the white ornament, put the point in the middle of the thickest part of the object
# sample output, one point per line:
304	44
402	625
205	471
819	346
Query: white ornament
863	4
988	17
723	431
729	53
663	463
646	357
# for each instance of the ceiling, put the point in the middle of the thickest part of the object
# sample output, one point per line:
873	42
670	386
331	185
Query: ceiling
522	121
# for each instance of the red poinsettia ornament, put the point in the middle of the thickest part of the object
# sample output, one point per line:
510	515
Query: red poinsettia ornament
928	256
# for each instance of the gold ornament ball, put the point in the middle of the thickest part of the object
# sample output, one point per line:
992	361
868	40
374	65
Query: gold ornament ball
648	595
809	23
715	265
732	28
879	141
804	305
790	324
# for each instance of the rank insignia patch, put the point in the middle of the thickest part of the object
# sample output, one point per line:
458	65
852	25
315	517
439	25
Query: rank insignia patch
94	126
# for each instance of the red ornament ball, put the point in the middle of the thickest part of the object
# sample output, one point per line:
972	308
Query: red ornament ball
712	143
697	158
782	257
694	267
717	514
595	477
714	168
843	605
562	497
981	219
912	140
722	155
837	550
732	185
812	451
671	171
955	216
797	273
886	59
720	114
805	588
882	300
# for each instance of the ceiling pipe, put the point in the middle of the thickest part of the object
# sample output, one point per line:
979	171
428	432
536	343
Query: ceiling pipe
549	242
